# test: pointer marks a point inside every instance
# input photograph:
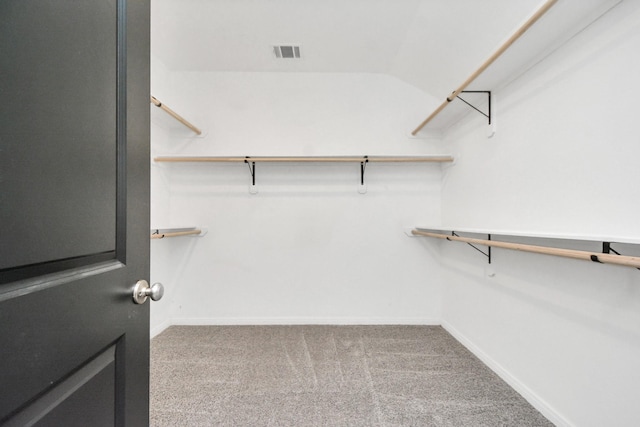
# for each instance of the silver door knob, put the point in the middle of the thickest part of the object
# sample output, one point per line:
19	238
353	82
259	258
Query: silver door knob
142	291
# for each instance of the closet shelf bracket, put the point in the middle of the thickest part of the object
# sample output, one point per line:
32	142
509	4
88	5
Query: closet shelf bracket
487	254
488	92
363	166
606	249
252	169
362	188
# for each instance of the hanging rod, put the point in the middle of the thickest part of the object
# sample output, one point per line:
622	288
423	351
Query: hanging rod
158	235
515	36
175	115
352	159
603	258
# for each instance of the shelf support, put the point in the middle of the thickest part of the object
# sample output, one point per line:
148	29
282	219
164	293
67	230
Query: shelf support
487	254
607	249
362	188
488	92
363	166
252	170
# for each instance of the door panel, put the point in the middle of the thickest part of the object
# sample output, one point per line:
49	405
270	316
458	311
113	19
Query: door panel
84	398
59	127
65	324
74	212
90	405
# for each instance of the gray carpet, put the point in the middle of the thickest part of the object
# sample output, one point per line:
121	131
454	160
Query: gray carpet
326	376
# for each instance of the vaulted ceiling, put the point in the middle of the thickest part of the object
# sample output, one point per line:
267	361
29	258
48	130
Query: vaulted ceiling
431	44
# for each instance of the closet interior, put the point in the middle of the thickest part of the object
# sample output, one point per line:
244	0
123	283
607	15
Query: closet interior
529	156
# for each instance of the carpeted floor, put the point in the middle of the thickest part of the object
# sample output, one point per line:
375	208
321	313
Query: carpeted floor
326	376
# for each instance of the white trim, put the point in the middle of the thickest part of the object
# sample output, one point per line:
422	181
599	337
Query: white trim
305	321
159	328
533	398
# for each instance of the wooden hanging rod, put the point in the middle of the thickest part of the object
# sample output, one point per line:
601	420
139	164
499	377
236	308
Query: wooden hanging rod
175	234
515	36
604	258
175	115
352	159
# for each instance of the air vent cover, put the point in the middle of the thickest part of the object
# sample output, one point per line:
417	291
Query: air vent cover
285	52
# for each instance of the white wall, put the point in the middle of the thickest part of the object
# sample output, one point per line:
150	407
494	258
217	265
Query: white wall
567	140
564	160
307	248
162	135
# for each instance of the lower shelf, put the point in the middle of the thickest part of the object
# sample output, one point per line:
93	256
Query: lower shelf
161	233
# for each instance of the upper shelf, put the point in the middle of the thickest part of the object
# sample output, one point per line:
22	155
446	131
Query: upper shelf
176	116
332	159
556	22
363	160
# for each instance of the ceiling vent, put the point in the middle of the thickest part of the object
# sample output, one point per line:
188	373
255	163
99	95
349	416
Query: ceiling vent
284	52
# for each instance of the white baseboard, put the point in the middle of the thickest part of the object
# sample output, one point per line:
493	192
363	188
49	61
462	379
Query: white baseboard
156	330
536	401
305	321
203	321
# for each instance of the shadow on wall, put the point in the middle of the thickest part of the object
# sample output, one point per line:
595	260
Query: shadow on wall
603	298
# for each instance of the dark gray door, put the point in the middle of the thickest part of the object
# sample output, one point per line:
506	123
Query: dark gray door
74	209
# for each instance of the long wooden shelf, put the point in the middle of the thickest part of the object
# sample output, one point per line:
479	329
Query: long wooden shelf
599	257
302	159
443	228
251	161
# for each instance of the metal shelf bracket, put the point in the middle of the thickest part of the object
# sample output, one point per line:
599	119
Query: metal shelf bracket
606	249
363	166
488	92
252	169
487	254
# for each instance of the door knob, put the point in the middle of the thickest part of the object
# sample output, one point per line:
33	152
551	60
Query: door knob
141	291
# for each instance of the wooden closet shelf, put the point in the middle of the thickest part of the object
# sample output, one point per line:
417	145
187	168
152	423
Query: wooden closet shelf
161	233
605	257
293	159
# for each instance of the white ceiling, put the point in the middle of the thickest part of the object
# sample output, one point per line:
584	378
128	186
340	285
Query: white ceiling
431	44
